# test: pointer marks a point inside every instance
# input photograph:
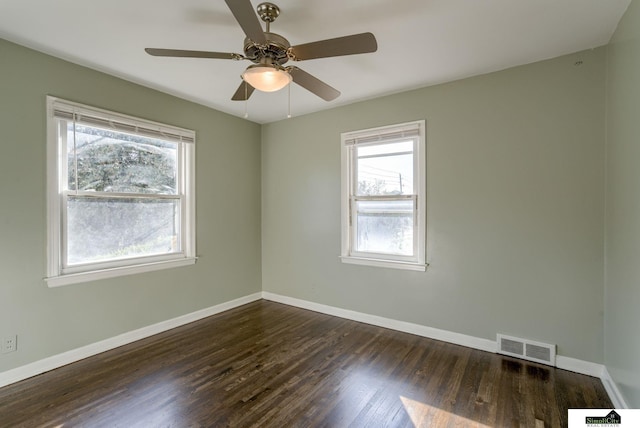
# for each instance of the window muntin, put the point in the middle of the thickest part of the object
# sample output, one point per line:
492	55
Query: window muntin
383	196
120	194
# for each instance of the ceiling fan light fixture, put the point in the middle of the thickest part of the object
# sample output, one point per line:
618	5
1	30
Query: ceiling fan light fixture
266	78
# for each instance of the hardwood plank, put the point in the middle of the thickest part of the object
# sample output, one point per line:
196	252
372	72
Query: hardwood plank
270	365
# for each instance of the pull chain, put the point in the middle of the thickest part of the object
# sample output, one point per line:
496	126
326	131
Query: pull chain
246	101
289	114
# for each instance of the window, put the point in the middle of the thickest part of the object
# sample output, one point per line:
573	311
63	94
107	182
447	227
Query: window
383	196
120	194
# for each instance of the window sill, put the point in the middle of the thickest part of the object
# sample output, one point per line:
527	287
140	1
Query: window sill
75	278
393	264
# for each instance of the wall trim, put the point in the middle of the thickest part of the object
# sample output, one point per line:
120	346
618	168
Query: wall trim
406	327
562	362
612	389
50	363
579	366
55	361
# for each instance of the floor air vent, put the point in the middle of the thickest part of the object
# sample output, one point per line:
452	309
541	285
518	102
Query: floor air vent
544	353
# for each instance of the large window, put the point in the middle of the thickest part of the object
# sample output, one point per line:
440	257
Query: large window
383	196
120	194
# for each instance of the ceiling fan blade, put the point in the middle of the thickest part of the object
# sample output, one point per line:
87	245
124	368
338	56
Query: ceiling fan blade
313	84
347	45
191	54
243	93
248	20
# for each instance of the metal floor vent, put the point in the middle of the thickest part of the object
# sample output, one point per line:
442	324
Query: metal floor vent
544	353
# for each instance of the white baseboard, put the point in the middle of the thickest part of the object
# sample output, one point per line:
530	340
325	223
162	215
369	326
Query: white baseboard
612	389
53	362
579	366
562	362
406	327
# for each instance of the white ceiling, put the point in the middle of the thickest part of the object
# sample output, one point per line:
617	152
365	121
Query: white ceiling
420	42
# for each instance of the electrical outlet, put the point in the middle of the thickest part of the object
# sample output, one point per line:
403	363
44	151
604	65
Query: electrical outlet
9	344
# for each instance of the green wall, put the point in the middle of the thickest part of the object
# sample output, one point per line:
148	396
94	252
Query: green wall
622	282
517	176
49	321
515	207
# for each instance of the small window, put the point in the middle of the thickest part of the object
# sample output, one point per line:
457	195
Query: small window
120	194
383	196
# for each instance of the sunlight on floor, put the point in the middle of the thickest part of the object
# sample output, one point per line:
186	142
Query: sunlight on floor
423	415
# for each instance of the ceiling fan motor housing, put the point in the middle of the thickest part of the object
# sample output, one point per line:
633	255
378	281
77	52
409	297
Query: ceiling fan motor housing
276	49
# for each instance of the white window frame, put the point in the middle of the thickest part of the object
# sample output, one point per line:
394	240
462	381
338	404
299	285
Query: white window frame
385	134
57	273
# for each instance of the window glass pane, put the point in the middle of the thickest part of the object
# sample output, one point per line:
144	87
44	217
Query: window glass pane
111	161
100	229
385	169
384	227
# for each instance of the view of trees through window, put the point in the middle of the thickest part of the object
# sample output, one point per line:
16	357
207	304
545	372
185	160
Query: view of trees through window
122	198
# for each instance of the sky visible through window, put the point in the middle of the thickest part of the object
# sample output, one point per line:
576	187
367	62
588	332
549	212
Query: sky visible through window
385	169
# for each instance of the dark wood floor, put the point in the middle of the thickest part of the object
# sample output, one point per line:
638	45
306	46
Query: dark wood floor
272	365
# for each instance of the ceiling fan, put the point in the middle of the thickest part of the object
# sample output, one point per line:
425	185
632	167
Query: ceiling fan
270	51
